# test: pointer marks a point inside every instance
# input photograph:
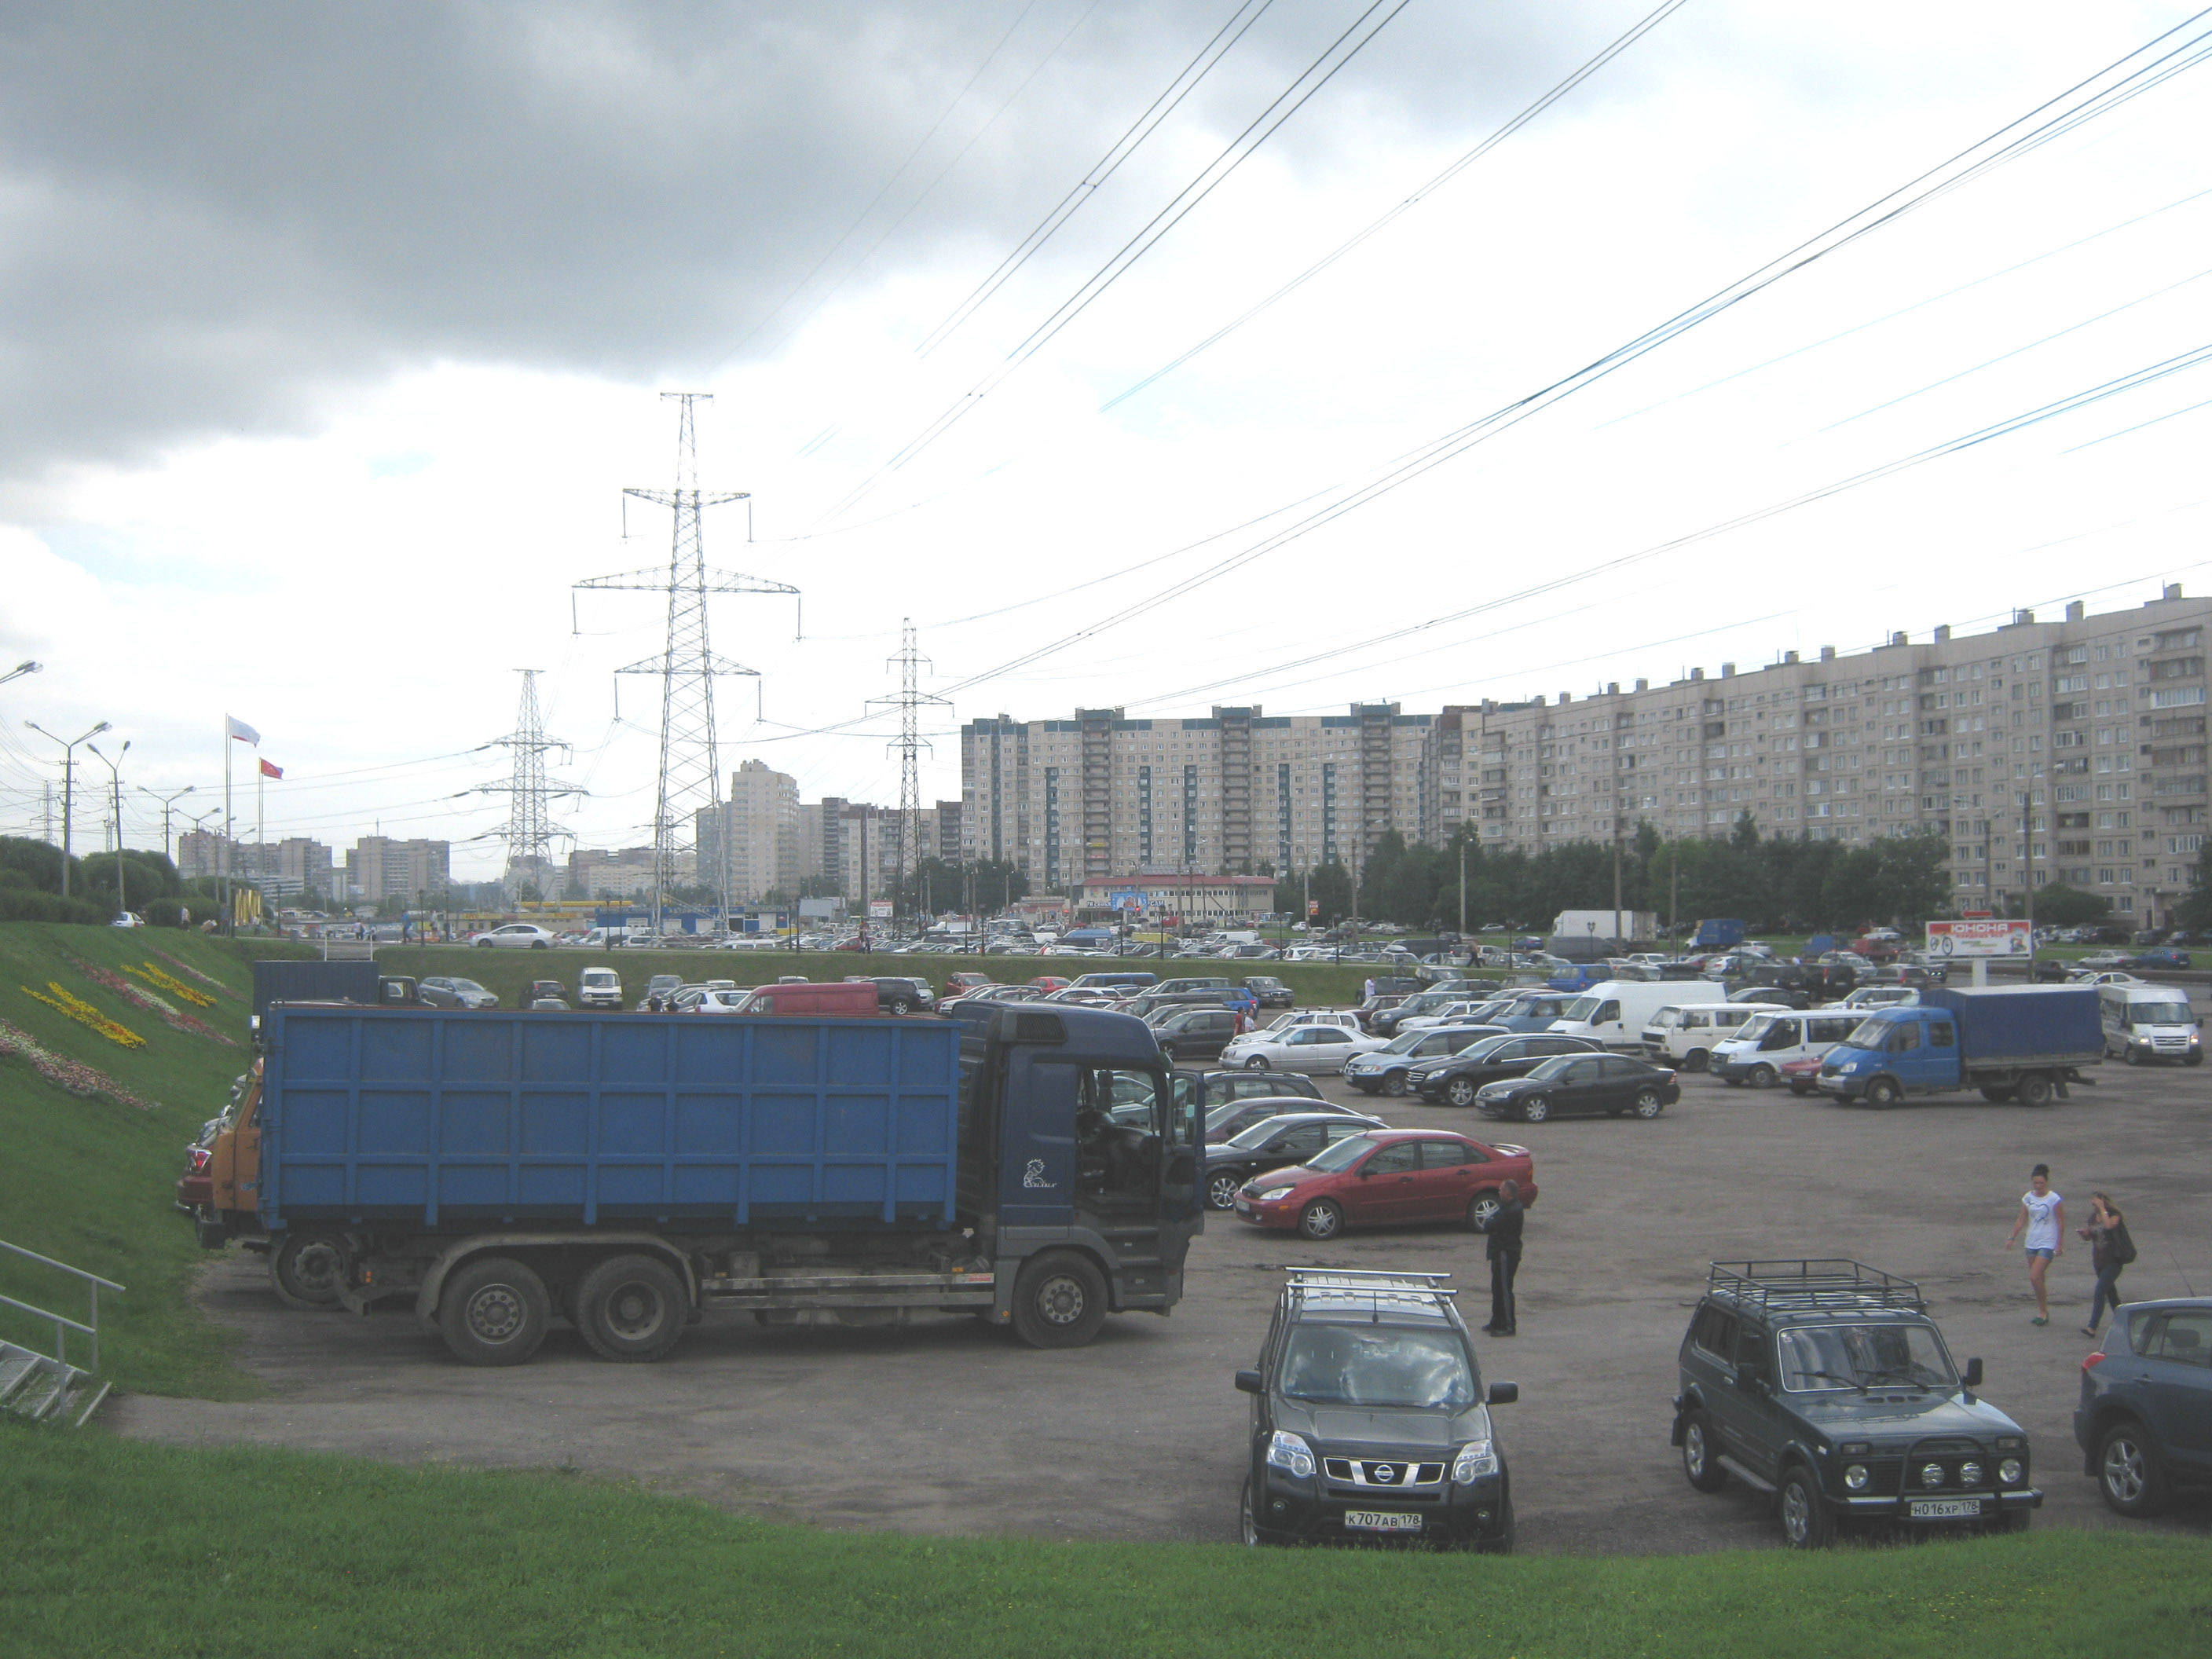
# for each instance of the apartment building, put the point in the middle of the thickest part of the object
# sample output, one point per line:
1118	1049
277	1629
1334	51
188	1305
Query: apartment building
380	867
295	864
759	824
2090	730
1102	795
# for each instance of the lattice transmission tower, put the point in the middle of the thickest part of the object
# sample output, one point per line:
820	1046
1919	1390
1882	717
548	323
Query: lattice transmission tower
530	831
907	747
688	798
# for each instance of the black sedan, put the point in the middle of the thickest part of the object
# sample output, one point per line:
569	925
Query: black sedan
1276	1143
1226	1122
1458	1079
1593	1084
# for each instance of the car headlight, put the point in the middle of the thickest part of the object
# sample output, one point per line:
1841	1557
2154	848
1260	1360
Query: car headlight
1274	1192
2009	1472
1855	1476
1476	1459
1290	1453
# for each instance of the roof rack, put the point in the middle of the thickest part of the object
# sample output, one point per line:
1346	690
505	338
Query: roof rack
1811	1283
1370	1292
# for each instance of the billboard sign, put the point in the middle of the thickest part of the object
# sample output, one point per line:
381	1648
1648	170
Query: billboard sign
1989	936
879	910
1131	901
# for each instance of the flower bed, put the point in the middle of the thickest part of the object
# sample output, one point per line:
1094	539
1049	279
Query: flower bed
85	1015
175	1018
77	1078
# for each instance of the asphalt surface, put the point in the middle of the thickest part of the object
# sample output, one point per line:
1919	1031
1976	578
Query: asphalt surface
948	1426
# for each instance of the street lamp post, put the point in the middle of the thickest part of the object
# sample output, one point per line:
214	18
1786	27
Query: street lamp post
115	781
68	775
20	670
168	802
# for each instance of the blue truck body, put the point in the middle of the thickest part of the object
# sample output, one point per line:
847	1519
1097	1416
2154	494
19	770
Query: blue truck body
2024	1042
806	1170
1717	935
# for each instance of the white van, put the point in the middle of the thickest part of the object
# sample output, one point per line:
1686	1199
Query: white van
1615	1011
598	987
1754	1055
2144	1023
1683	1034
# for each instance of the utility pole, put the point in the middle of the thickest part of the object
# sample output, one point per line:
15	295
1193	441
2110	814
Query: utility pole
1617	944
69	775
908	745
1462	888
1673	885
2027	872
168	803
115	779
690	761
529	830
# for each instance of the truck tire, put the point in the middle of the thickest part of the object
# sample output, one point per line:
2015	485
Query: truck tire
1805	1522
631	1307
2034	1089
1763	1077
494	1312
1701	1456
1883	1091
305	1269
1696	1061
1059	1300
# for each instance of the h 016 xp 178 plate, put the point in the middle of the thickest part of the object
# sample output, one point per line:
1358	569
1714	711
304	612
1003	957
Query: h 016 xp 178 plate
1945	1508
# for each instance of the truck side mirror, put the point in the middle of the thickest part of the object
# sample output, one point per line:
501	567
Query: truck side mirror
1504	1394
1973	1375
1248	1382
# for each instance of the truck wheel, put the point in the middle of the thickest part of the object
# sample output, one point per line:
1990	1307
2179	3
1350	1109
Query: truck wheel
1701	1457
2135	1056
1320	1219
2034	1089
494	1312
1060	1300
2194	1057
2130	1478
632	1307
1221	1191
1883	1091
305	1269
1763	1077
1696	1061
1805	1522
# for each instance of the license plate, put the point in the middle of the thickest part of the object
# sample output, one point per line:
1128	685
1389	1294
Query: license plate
1945	1508
1381	1520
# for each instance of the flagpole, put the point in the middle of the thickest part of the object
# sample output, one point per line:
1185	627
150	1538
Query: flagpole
223	853
260	824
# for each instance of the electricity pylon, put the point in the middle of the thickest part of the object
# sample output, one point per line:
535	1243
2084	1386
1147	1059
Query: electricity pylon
530	831
690	761
908	746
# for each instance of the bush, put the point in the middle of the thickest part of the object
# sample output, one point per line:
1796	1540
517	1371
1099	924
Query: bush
29	905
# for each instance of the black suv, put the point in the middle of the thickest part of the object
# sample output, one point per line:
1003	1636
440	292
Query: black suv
1369	1420
898	995
1271	990
1460	1078
2144	1422
1196	1033
1825	1384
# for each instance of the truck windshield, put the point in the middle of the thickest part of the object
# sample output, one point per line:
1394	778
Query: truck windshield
1667	1019
1754	1028
1864	1357
1581	1008
2160	1013
1378	1366
1868	1034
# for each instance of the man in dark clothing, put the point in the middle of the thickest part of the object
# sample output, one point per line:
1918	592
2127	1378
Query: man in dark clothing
1503	1252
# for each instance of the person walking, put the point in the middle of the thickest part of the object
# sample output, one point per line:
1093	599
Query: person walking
2111	1249
2043	1216
1502	1250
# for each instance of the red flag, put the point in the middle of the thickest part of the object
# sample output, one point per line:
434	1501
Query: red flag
269	771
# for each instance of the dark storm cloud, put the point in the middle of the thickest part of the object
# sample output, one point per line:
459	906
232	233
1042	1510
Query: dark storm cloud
216	217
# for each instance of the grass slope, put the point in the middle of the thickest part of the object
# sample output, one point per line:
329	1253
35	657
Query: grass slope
89	1181
257	1551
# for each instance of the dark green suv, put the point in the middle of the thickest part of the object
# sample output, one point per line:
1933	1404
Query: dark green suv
1824	1385
1370	1420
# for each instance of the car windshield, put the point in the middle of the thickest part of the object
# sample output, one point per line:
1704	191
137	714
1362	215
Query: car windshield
1341	1156
1378	1366
1486	1048
465	985
1404	1044
1864	1357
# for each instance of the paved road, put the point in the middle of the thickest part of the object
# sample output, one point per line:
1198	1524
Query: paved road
952	1427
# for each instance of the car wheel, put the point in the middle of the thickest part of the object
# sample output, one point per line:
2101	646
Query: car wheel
537	945
305	1269
1649	1104
1060	1300
1883	1091
1323	1218
1536	1110
1257	1063
1805	1522
1247	1522
2194	1057
1701	1454
901	1006
484	945
2034	1089
2135	1056
495	1311
1480	1210
2130	1478
1221	1191
1696	1061
1800	1088
633	1307
1763	1077
1394	1085
1460	1091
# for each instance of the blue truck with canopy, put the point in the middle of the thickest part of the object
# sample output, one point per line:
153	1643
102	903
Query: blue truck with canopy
2023	1043
627	1173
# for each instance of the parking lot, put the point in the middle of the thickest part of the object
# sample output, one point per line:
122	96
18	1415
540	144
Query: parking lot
949	1426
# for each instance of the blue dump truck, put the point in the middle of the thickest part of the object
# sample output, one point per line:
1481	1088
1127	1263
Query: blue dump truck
2023	1043
626	1173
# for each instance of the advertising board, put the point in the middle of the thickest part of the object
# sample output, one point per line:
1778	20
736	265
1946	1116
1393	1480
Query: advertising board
1988	936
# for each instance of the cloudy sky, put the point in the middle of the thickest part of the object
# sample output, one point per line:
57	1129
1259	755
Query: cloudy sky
330	338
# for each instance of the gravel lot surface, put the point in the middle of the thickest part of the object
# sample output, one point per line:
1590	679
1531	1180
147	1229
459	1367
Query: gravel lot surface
951	1427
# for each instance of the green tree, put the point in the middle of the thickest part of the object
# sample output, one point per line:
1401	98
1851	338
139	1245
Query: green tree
2194	909
2060	906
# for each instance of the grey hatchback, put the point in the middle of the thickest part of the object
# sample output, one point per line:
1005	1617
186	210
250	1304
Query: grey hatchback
2144	1423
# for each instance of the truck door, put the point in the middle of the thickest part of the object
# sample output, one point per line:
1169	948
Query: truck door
1905	1057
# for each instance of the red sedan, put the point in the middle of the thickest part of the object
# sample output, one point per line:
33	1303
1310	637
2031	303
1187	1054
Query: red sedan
1391	1175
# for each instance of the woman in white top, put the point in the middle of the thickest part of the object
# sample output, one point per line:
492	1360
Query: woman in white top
2043	1214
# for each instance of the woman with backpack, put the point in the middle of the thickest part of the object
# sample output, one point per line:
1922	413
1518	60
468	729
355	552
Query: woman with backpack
2111	1249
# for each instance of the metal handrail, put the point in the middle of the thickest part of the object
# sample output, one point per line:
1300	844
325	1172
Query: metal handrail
63	1325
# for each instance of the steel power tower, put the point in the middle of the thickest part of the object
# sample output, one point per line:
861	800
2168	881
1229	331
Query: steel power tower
530	831
907	747
691	761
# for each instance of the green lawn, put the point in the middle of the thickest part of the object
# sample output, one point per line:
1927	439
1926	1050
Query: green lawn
89	1180
260	1551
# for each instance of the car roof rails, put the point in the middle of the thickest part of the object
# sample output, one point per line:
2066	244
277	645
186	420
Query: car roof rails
1811	1284
1355	1289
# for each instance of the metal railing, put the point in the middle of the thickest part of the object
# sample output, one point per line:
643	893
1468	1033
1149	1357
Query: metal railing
63	1324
